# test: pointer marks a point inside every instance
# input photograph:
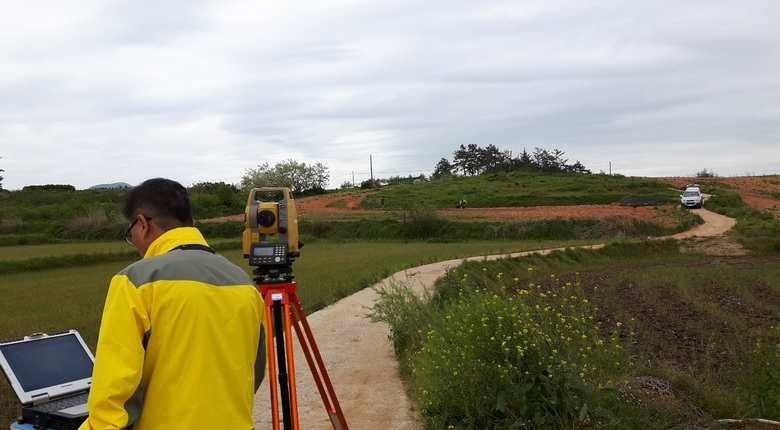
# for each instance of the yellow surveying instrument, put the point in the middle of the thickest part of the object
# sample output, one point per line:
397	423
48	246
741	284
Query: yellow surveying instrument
271	245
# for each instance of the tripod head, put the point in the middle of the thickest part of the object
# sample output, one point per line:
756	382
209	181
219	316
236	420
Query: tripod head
272	276
270	238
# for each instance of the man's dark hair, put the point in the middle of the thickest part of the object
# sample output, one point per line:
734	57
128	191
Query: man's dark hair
163	200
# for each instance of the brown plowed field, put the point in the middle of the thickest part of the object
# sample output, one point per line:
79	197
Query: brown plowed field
760	192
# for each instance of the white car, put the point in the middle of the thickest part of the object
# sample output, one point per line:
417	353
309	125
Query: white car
692	197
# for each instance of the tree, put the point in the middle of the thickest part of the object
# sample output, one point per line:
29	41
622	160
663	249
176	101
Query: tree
467	159
460	159
443	168
321	177
298	177
1	179
577	167
225	194
547	161
474	160
490	159
259	177
524	162
214	199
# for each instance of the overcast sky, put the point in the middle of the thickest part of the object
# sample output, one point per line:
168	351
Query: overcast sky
98	91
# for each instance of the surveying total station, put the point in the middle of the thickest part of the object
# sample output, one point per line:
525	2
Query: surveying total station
271	245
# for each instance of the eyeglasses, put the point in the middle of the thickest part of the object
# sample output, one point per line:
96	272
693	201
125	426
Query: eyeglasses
128	237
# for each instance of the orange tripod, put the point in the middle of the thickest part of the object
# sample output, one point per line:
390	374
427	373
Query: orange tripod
283	311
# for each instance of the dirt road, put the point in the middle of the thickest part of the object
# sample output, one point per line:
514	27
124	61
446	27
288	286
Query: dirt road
714	225
359	357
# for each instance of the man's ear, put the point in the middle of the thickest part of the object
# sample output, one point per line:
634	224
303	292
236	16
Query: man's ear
147	228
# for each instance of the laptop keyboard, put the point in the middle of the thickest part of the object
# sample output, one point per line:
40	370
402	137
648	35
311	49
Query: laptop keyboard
63	403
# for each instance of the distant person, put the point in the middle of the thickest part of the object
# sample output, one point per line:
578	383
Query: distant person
182	342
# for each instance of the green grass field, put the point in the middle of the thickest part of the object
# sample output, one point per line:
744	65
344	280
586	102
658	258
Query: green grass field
682	304
57	299
72	297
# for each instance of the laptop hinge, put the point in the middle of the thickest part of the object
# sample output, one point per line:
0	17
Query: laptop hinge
41	398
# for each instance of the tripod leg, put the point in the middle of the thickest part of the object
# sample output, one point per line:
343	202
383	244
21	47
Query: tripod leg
279	334
281	317
291	366
317	367
272	378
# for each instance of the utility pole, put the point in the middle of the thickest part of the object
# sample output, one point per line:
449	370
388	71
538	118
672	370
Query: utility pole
371	166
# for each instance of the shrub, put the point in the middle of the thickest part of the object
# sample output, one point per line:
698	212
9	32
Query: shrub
423	223
11	225
87	222
94	225
370	183
406	313
494	360
319	228
704	173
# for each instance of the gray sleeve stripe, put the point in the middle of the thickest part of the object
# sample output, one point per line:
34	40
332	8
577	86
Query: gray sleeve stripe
134	404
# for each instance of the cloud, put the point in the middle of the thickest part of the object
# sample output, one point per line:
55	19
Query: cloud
97	92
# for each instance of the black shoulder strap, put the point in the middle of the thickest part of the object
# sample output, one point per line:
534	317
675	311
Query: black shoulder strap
194	247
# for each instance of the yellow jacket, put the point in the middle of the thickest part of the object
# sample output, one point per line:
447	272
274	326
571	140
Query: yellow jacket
181	344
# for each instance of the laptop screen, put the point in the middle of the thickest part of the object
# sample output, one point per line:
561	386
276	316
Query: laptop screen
48	361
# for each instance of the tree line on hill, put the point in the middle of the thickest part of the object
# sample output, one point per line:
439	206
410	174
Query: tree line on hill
468	160
471	159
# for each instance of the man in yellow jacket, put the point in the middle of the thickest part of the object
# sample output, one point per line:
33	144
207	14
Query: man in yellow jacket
182	342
